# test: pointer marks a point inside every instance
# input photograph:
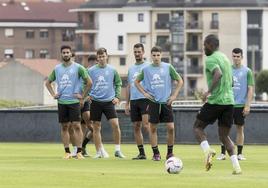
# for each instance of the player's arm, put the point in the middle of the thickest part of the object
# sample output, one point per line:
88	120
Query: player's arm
139	78
118	86
51	78
216	76
178	83
250	92
127	99
87	81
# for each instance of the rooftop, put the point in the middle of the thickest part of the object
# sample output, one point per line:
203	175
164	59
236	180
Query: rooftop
174	3
38	12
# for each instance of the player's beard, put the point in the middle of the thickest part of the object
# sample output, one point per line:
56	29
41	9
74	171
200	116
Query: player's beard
66	59
138	59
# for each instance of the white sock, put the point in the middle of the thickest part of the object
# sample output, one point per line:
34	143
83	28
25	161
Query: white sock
117	147
204	145
234	161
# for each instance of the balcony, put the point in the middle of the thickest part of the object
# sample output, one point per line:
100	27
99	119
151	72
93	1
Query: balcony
193	48
88	26
162	25
194	25
85	48
214	24
164	46
195	69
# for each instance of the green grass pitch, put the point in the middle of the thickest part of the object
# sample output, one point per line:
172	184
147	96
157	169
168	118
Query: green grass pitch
33	165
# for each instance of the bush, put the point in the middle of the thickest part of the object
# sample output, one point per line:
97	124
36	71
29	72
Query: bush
262	82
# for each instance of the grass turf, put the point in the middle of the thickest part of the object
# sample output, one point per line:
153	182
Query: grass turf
32	165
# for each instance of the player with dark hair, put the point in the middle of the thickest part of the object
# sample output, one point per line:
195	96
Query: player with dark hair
136	103
219	101
157	81
67	75
243	94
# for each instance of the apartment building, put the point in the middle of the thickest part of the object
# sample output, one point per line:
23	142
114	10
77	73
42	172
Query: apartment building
36	29
179	27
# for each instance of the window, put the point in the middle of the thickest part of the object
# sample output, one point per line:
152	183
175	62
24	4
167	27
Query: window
143	39
43	54
44	33
29	53
9	33
163	42
165	59
122	61
120	42
214	21
9	53
67	35
120	17
140	17
162	21
29	34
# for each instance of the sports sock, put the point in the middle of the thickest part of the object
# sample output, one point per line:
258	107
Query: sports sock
84	144
223	149
170	149
234	161
155	150
204	145
117	147
239	149
141	149
67	150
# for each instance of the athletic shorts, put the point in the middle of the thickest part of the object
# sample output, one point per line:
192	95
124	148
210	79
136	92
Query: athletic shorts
209	113
69	112
138	108
160	113
86	107
239	118
97	108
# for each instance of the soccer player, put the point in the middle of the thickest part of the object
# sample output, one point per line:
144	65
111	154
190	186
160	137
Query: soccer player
67	75
157	85
219	102
136	102
104	95
243	93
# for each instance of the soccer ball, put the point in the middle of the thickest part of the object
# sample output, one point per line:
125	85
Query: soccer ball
174	165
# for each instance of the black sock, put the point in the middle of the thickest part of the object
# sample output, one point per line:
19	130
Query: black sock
79	150
239	149
155	150
141	149
86	140
170	149
223	149
67	150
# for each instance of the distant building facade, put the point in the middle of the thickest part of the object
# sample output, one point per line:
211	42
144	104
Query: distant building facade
36	29
179	27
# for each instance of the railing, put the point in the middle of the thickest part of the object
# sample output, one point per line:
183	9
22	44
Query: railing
162	25
214	24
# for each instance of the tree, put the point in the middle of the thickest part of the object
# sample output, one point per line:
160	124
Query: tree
262	82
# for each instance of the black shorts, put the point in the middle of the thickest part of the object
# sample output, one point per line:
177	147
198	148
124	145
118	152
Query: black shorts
86	107
138	108
209	113
97	108
69	112
160	113
239	118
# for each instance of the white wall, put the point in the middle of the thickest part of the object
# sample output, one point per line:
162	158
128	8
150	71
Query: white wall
244	42
265	39
110	28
